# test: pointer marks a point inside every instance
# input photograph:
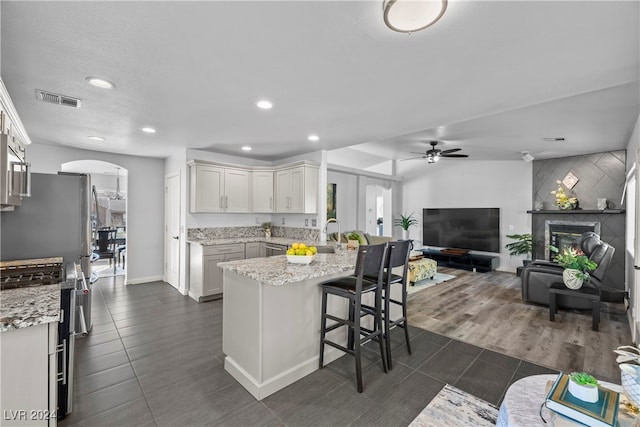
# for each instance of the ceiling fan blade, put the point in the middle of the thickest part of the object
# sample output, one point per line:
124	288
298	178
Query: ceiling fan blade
414	152
451	150
454	155
412	158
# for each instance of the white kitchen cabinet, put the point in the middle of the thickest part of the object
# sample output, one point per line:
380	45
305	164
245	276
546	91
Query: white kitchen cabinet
28	369
205	278
218	189
252	250
297	189
262	191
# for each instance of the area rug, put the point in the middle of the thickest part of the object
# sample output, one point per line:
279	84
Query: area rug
427	283
453	407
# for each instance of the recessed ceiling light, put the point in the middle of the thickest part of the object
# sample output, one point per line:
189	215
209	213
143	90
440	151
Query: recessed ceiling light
96	138
101	83
246	148
148	130
264	104
313	138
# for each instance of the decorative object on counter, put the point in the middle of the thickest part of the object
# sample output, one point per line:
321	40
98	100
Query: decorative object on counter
583	386
538	206
523	245
602	204
576	266
266	226
563	201
300	253
353	241
628	360
405	222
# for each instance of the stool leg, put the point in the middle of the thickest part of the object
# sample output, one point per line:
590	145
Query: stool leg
596	316
552	306
404	318
323	327
357	354
387	329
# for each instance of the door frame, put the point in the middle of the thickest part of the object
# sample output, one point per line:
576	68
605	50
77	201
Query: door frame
167	237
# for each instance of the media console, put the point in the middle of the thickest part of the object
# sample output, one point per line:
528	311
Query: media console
479	263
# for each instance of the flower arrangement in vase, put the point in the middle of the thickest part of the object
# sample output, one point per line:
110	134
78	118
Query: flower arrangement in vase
563	201
266	226
576	266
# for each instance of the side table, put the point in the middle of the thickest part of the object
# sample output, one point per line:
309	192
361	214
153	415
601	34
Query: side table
593	294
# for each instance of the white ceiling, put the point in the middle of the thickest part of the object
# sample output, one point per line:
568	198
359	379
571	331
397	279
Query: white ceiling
492	78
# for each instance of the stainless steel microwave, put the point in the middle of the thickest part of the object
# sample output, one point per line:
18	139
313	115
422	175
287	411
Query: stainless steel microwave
15	182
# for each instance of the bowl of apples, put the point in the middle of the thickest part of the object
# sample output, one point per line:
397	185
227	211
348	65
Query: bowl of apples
300	253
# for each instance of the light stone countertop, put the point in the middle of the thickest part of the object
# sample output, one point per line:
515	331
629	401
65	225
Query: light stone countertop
29	306
277	271
275	240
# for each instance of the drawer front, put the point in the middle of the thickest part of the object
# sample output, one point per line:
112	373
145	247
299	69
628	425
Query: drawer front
224	249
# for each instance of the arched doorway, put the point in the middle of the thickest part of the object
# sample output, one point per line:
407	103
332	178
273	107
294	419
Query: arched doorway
108	214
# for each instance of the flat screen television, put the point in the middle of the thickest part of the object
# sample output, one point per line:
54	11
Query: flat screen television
476	229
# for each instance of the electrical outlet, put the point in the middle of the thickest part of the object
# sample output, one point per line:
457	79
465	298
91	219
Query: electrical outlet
314	222
306	222
510	227
282	221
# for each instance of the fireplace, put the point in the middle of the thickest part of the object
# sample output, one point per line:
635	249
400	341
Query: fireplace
566	234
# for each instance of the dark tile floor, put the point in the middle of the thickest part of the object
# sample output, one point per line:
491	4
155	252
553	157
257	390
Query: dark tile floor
154	357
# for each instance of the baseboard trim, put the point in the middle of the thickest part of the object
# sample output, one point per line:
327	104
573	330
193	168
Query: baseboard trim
144	280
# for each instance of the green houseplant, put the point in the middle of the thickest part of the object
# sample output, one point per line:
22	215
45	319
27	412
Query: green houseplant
523	245
576	266
583	386
266	226
405	222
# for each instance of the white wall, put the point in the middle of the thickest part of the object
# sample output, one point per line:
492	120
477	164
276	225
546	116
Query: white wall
463	184
145	218
346	200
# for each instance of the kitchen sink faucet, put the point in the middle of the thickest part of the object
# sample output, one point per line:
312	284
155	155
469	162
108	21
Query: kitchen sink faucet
326	225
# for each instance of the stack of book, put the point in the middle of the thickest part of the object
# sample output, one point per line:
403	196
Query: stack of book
603	413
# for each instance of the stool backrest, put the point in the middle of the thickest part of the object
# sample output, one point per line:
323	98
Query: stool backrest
399	256
371	262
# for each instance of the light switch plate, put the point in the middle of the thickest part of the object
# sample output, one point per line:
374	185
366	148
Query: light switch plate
314	222
306	222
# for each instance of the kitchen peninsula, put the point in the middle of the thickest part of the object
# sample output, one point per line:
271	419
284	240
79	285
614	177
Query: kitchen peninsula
271	318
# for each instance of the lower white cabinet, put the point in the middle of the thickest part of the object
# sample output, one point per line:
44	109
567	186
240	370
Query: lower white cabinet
29	385
205	278
252	250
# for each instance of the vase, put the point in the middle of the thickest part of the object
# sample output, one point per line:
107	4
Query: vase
584	392
571	279
267	232
405	234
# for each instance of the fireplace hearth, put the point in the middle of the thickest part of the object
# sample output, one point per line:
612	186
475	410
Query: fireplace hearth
566	234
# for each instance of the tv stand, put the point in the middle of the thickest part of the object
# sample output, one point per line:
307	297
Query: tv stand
463	261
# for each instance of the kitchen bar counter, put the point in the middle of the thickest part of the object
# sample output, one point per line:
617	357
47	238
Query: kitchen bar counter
230	240
29	306
276	271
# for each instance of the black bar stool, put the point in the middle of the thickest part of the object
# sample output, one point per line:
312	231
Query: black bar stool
370	262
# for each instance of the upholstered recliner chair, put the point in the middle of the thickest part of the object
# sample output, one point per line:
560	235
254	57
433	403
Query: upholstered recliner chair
539	275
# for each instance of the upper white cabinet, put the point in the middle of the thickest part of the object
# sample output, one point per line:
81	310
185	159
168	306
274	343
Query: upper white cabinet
297	189
218	189
291	188
262	191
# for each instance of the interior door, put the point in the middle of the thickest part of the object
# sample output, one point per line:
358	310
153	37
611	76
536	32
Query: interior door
172	231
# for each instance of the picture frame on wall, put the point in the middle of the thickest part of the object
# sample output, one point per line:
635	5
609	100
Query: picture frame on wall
331	201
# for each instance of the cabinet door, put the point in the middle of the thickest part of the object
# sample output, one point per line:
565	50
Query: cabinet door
283	190
236	190
207	184
212	280
262	191
252	250
263	250
296	201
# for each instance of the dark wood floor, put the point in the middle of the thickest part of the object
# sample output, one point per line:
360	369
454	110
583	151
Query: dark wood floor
154	357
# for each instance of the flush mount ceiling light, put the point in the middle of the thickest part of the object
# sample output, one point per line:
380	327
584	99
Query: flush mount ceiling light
100	83
527	157
264	104
96	138
246	148
313	138
148	130
409	16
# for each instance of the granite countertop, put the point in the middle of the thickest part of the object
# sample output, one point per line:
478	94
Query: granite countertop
29	306
275	240
277	271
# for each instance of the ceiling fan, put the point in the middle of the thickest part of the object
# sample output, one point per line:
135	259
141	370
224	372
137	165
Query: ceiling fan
434	154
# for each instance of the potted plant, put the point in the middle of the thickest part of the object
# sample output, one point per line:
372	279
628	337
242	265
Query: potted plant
576	266
266	226
405	222
583	386
523	245
353	241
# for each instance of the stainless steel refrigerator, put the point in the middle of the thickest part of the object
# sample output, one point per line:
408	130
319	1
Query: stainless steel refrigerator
54	221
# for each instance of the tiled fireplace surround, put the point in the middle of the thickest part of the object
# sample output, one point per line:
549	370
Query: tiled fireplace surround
601	175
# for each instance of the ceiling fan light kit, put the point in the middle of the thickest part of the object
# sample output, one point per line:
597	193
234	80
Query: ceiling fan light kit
409	16
434	154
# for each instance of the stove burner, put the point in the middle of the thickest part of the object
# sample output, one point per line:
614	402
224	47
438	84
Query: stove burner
18	274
